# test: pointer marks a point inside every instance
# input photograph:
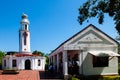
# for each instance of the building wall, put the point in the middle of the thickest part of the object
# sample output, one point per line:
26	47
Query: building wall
42	64
21	62
88	68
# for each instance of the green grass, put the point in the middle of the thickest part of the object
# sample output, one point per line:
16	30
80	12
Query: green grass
102	78
119	68
73	78
107	77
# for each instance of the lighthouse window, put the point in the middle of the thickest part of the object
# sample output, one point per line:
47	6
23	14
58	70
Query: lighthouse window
14	63
25	26
25	37
38	62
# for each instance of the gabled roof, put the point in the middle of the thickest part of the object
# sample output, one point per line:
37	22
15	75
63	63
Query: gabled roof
90	25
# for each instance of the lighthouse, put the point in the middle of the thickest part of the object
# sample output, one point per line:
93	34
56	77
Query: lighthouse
24	59
24	35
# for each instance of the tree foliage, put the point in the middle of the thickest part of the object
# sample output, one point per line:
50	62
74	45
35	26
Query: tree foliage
98	8
2	54
11	52
41	54
38	53
47	59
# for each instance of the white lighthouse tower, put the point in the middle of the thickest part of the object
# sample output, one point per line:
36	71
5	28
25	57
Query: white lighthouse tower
24	35
24	59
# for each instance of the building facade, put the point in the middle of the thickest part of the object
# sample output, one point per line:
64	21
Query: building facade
91	51
24	59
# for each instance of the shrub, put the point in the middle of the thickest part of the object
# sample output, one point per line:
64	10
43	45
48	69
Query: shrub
10	71
73	78
70	77
111	78
102	78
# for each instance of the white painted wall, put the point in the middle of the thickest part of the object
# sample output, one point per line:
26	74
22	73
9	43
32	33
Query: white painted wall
21	62
21	44
88	68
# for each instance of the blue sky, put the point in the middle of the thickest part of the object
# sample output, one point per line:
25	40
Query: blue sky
51	23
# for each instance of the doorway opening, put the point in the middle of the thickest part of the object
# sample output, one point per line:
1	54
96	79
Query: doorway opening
27	64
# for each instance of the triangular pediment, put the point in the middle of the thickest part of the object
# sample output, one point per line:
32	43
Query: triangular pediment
91	35
90	38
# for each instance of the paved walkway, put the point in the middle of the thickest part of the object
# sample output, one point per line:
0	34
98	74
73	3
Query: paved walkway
23	75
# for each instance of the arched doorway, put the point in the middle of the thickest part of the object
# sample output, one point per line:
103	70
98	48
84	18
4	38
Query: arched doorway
27	64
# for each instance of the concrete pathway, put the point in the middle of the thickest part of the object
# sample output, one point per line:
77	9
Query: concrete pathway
23	75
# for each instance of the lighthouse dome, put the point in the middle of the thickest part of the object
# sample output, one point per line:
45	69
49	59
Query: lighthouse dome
24	19
24	16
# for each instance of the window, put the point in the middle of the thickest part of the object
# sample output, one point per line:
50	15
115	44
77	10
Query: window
25	26
100	61
4	62
14	63
38	62
25	37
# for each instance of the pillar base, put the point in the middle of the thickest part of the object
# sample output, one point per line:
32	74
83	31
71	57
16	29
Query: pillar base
66	77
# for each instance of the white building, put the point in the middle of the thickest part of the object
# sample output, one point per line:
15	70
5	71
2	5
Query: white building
24	59
94	51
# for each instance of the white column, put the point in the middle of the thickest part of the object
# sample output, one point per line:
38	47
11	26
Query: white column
10	62
54	60
23	63
19	63
65	63
49	60
80	56
57	61
32	64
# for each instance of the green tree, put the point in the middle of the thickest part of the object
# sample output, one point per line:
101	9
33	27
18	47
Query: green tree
47	59
38	53
11	52
98	8
2	54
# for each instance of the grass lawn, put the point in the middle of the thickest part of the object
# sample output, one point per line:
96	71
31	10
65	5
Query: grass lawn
119	68
117	77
